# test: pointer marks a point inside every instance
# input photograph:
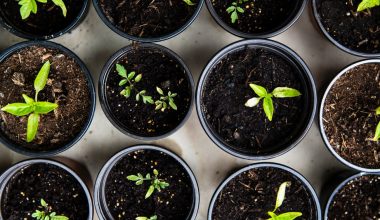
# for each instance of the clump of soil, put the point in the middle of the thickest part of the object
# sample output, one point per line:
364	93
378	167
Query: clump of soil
158	68
251	194
227	89
67	85
260	16
56	186
359	31
349	118
358	199
146	18
126	200
48	20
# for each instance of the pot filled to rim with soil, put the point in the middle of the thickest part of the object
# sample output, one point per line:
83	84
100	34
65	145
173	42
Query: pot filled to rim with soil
351	25
146	91
146	182
47	98
256	99
43	189
348	117
148	21
42	19
256	18
265	191
357	197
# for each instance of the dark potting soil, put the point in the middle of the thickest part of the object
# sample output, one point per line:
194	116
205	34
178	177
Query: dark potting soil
251	194
359	31
127	201
147	18
259	16
66	85
158	68
349	118
358	199
227	89
48	20
23	193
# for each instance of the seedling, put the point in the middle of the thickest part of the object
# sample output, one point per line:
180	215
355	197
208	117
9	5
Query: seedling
155	182
279	200
368	4
377	132
47	213
279	92
165	100
28	6
154	217
189	2
236	8
33	108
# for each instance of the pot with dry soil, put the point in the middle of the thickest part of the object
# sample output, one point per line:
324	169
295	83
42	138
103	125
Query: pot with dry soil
47	98
146	182
265	191
349	121
40	188
351	25
39	20
256	99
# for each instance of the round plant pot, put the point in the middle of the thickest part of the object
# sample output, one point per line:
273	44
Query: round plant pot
260	23
345	132
346	29
24	185
132	21
48	23
159	67
183	196
74	93
355	198
224	88
251	192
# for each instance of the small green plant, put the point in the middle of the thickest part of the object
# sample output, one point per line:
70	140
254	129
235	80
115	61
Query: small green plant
279	92
33	108
189	2
154	217
377	131
155	182
47	213
234	9
368	4
279	200
165	100
28	6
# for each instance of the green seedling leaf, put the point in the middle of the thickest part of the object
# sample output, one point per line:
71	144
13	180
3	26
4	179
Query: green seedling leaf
154	217
230	9
234	16
281	195
131	75
287	216
159	90
368	4
44	215
123	82
27	99
377	133
62	5
44	107
43	203
241	10
41	79
32	127
18	109
138	78
155	172
133	178
378	110
189	2
253	102
121	70
149	192
285	92
272	215
268	107
259	90
27	6
172	104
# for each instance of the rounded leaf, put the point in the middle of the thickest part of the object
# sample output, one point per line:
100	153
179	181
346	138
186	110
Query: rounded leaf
285	92
252	102
259	90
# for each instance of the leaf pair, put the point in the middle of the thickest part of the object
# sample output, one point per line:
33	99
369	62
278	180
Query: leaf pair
234	9
368	4
166	101
279	92
30	6
155	182
279	200
45	215
154	217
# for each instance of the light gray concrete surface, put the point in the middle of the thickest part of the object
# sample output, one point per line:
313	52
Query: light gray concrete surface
94	43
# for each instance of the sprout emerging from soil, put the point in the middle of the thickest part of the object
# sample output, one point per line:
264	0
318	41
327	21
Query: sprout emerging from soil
154	217
279	92
236	8
377	131
155	182
165	99
368	4
33	108
47	213
190	3
28	6
279	200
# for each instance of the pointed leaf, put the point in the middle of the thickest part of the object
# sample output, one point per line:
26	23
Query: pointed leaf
62	5
230	9
368	4
281	195
378	110
272	215
268	107
131	75
45	107
285	92
149	192
27	99
259	90
239	9
133	177
377	133
42	76
123	82
234	17
253	102
142	218
288	216
32	127
173	105
159	90
121	70
18	109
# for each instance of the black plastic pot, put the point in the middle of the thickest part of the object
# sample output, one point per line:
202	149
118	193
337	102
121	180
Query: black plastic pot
23	34
105	20
267	165
19	149
9	173
323	134
317	16
293	17
310	97
99	194
102	89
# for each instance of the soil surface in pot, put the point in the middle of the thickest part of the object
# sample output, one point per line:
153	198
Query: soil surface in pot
66	85
158	68
359	31
259	16
227	89
358	199
48	20
57	187
252	194
146	18
349	118
126	200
